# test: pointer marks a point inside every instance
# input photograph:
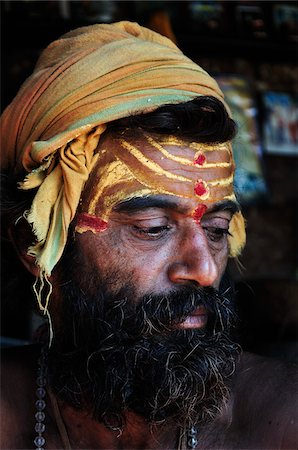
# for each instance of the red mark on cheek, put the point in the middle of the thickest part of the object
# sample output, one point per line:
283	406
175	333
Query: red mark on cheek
87	222
199	212
200	188
200	159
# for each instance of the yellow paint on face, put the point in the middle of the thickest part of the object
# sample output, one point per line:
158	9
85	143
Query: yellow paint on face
149	165
222	181
111	174
157	166
165	153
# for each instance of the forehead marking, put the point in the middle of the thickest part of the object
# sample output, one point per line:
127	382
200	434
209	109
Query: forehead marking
117	178
200	159
167	154
221	181
201	189
199	212
151	164
210	147
111	173
89	222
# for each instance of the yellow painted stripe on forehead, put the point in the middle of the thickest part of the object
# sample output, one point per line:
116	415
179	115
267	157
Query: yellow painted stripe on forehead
112	173
174	140
221	181
231	197
223	146
214	165
179	143
111	200
168	155
151	164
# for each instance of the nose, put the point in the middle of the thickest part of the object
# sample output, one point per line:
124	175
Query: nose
194	261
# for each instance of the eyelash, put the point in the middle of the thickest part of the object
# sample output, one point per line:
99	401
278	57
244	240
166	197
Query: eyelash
216	234
152	232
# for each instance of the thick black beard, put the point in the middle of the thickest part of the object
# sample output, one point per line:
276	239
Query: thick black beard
116	353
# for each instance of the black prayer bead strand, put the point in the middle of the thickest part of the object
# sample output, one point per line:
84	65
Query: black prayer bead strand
40	404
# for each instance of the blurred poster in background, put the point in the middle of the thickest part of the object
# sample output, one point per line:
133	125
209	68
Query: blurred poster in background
206	16
285	20
249	180
280	124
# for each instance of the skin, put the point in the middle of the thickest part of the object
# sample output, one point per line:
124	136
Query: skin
159	248
158	243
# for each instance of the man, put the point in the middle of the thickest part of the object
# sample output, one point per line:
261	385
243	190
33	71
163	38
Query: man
128	223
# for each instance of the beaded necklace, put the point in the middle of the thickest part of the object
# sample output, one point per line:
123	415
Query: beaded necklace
40	404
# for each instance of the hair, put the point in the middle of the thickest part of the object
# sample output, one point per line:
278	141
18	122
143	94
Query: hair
204	119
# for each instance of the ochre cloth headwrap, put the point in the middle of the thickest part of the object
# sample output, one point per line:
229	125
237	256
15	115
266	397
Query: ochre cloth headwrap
86	79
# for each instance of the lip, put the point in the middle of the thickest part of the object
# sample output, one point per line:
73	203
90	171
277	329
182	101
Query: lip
196	320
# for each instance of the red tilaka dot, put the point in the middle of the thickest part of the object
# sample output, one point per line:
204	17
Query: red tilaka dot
199	212
200	159
200	188
91	222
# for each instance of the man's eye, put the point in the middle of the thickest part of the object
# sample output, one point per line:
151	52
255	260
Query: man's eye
216	234
151	232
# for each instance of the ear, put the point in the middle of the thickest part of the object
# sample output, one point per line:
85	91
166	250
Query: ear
21	236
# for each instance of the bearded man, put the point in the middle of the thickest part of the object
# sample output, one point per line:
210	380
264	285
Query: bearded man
127	220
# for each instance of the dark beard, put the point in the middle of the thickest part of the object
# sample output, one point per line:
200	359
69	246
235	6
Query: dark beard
115	353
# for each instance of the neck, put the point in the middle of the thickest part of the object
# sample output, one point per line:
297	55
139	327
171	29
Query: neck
85	432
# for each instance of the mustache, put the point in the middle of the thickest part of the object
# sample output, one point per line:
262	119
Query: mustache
160	313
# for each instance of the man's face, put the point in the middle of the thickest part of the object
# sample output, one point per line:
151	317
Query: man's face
157	245
143	326
155	240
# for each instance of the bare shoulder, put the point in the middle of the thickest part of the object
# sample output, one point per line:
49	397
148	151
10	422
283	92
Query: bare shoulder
18	368
265	401
271	379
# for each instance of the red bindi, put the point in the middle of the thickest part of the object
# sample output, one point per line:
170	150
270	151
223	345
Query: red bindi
200	188
199	212
92	223
200	159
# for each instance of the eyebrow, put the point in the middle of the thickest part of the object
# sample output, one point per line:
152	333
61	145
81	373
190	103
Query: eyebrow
135	204
225	205
138	203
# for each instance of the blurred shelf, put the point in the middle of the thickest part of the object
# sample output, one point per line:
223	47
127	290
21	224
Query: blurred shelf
36	34
270	50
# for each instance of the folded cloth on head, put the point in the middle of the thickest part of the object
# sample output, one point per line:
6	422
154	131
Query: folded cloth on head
84	80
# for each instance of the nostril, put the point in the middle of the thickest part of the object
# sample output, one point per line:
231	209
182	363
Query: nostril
193	261
209	275
195	271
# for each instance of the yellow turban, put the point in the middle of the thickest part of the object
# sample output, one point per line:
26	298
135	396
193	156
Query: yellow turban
89	77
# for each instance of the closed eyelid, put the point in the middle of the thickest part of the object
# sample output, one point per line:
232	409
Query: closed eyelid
141	218
224	215
150	223
215	221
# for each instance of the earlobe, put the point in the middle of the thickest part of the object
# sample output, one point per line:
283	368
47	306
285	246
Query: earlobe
21	237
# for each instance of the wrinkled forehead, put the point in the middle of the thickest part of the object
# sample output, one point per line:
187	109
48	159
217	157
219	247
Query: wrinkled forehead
136	163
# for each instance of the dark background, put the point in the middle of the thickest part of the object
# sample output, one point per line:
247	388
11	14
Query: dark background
238	37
